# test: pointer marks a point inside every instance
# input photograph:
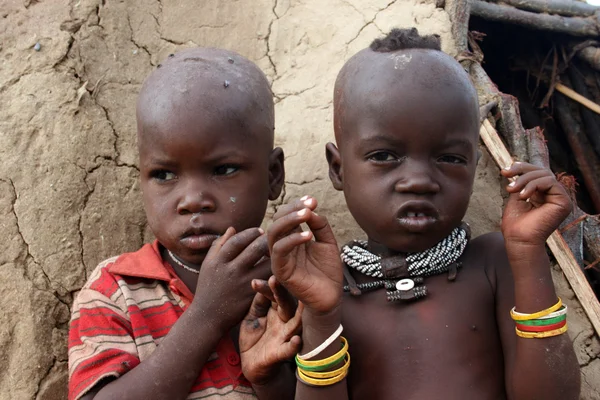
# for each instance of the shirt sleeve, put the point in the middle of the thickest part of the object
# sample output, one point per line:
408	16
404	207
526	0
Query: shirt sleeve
101	343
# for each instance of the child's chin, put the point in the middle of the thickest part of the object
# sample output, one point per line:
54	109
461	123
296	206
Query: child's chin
411	243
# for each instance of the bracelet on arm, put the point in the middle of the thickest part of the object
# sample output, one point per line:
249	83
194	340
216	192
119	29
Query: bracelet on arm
543	324
517	316
540	335
323	346
315	373
339	356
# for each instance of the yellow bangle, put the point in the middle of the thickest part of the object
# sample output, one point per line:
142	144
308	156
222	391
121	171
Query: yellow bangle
328	360
320	382
517	316
540	335
328	374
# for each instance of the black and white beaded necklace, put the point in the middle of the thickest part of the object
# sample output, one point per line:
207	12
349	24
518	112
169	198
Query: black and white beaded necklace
402	273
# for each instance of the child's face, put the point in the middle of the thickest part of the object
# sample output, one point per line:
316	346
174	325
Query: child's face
406	163
203	173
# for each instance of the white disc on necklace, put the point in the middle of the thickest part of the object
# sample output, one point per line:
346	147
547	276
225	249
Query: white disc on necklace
405	284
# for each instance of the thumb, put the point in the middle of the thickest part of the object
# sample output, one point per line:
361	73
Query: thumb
289	349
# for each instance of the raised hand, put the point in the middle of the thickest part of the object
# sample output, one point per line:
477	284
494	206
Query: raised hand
224	291
537	205
310	270
270	331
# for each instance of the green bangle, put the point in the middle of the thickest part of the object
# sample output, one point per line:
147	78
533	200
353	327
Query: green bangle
543	322
320	368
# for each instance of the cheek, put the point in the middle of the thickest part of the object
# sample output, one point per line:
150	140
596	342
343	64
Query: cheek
156	206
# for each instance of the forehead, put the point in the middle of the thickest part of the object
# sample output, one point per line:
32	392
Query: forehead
410	93
203	139
201	90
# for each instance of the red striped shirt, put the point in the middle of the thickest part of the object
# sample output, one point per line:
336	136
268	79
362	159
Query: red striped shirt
127	306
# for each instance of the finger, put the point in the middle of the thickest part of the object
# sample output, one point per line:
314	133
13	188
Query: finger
520	168
253	253
518	184
321	229
261	286
296	205
217	244
258	309
294	325
286	224
547	185
284	246
289	349
285	301
236	244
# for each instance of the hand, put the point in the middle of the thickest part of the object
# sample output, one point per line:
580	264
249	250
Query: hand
269	333
536	207
224	291
310	270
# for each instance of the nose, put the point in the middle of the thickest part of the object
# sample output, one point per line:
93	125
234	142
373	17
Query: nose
416	177
195	201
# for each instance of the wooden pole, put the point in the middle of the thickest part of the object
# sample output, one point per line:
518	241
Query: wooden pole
570	93
556	243
575	26
569	8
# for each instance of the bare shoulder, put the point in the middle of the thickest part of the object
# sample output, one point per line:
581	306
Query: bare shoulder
489	252
488	246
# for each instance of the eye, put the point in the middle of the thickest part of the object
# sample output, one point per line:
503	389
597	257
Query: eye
382	156
452	159
225	170
162	175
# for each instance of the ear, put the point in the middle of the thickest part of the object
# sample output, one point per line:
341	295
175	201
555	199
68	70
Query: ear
479	154
336	174
276	173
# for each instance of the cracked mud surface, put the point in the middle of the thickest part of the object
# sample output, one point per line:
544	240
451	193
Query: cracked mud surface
69	192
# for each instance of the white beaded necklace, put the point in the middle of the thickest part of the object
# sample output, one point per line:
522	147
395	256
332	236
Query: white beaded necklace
436	260
182	265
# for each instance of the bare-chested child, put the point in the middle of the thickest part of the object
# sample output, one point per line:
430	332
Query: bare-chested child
429	316
161	323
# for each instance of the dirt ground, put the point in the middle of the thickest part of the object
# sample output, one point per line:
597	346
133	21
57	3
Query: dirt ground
69	191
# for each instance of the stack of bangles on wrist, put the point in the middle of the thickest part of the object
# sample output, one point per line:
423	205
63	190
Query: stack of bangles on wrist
546	323
318	372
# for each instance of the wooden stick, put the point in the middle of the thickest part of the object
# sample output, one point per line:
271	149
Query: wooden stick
570	25
570	93
557	244
576	278
570	8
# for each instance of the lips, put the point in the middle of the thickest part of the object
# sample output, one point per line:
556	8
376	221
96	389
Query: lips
198	238
417	216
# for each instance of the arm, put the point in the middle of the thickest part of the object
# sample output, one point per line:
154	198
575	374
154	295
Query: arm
543	368
312	272
173	368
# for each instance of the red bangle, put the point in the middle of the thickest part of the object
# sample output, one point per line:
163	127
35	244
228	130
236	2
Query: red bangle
545	328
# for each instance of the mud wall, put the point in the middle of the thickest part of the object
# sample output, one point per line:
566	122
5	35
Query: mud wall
69	192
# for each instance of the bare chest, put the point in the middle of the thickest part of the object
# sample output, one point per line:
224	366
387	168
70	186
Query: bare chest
445	344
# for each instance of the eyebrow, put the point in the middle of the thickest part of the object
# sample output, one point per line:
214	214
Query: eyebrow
167	162
464	143
160	161
375	139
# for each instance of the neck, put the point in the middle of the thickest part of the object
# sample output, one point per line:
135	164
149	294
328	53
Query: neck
381	250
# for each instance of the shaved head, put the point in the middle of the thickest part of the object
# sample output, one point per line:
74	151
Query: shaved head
195	83
375	81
